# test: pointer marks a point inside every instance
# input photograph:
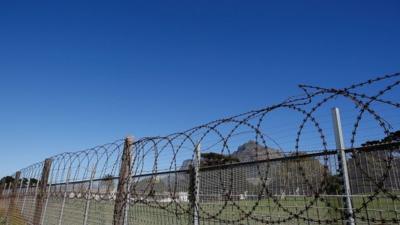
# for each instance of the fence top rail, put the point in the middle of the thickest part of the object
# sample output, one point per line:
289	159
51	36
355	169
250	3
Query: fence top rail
300	155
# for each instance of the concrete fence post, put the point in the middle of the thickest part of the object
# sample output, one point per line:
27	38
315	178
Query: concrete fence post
337	126
122	194
13	195
41	194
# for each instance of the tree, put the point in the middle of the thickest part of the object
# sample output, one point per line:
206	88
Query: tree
228	182
215	159
33	181
390	138
107	183
7	179
299	174
369	165
333	185
150	186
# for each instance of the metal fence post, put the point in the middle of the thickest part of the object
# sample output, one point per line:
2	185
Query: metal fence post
337	126
11	206
60	218
35	195
19	191
41	195
26	193
121	200
194	186
7	194
89	195
46	203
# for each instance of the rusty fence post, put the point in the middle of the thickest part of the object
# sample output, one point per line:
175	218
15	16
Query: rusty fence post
41	195
13	195
122	195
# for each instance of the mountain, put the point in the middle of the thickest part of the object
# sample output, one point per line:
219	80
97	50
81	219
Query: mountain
251	151
186	164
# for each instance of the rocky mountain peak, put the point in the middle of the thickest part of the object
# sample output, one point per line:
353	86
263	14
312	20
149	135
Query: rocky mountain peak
252	150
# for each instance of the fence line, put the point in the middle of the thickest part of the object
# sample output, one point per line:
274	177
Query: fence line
243	175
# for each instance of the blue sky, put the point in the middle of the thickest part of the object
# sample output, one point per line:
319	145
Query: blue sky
75	74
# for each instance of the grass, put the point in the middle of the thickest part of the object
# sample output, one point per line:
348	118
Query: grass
15	219
2	216
101	212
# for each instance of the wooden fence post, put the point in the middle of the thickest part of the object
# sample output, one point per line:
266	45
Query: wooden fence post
11	206
41	195
122	194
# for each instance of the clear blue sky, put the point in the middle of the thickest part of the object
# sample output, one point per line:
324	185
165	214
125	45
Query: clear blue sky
75	74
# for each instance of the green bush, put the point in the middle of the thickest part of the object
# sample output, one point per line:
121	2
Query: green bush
2	221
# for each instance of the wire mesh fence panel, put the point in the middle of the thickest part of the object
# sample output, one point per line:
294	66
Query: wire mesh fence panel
28	208
4	202
74	211
374	176
53	210
271	191
160	199
101	212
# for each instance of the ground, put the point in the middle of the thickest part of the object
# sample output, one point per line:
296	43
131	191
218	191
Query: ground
101	212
